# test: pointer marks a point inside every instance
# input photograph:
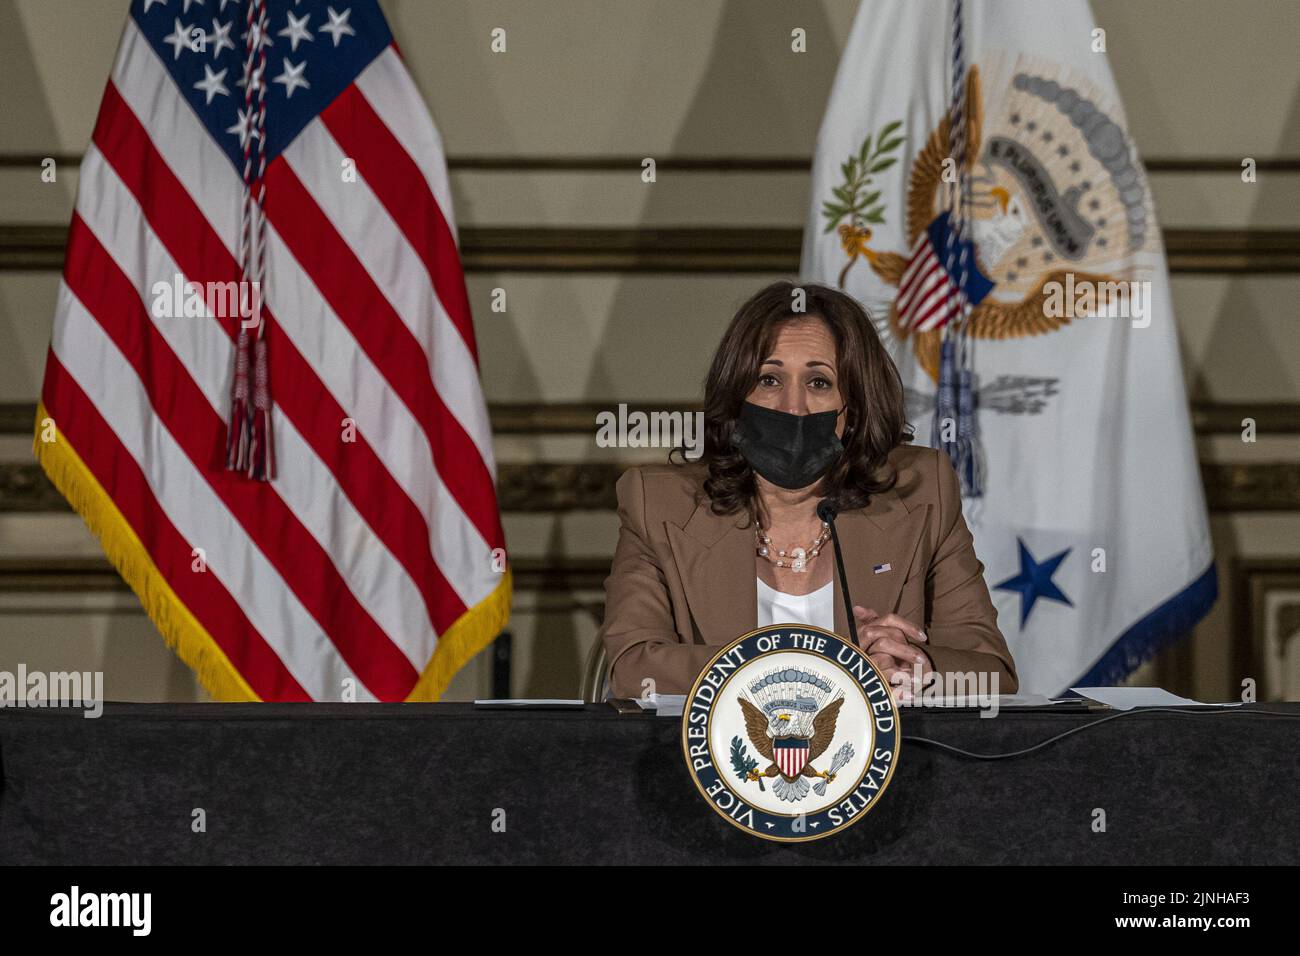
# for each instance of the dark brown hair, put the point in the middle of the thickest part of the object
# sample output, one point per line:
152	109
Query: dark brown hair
869	383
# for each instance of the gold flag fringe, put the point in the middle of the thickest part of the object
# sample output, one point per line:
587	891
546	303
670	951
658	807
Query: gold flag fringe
472	631
179	628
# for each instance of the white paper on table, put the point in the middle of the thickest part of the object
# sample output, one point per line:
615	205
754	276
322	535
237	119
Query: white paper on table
664	705
1003	700
1126	698
530	702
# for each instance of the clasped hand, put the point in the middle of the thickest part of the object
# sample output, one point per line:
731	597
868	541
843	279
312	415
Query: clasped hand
892	644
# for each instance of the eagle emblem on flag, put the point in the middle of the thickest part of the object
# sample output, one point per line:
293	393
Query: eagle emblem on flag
1056	201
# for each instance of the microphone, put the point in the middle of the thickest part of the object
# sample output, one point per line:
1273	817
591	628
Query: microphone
827	509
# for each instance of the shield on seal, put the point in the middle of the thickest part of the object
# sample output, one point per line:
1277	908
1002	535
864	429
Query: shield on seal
791	754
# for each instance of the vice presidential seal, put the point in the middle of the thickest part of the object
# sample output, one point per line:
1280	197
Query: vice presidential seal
791	733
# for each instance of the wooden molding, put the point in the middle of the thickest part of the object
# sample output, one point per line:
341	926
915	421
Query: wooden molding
559	487
1225	418
24	489
710	164
62	575
32	247
17	418
542	487
1266	486
773	250
579	418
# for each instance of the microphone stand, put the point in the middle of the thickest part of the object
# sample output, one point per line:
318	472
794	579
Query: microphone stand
827	511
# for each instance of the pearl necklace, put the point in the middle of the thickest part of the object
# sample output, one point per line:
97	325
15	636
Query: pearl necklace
799	557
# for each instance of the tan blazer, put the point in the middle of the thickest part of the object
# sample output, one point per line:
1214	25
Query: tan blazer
683	581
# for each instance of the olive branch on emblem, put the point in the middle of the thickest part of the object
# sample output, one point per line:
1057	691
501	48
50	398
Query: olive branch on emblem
742	762
856	200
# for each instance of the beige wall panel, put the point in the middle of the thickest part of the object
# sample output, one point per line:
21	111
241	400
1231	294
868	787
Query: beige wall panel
551	639
27	301
566	338
46	536
1207	78
701	199
1238	337
123	644
1198	77
602	336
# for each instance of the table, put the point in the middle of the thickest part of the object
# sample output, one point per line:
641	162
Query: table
424	783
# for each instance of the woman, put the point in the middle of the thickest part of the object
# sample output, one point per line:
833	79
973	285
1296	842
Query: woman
799	406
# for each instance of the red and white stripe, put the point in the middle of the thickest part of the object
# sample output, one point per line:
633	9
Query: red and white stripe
791	760
927	296
350	564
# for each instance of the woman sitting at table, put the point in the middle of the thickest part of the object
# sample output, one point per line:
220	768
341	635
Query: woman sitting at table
798	407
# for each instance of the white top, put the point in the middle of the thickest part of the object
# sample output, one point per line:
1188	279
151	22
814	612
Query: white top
777	607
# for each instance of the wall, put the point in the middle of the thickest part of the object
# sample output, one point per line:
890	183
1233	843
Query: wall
1203	83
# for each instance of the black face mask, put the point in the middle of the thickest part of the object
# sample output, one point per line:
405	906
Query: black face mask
790	451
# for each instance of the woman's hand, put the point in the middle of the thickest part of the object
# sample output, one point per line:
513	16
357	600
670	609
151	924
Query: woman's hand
888	641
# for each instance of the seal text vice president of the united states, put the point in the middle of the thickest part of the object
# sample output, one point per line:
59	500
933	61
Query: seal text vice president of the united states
799	406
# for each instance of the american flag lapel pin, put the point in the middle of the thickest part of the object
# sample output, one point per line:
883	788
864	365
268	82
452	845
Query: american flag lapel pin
882	568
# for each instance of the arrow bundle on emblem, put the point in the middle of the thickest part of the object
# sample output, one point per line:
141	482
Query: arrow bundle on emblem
842	756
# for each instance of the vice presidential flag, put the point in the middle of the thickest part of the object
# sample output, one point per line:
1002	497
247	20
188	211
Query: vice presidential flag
977	188
262	390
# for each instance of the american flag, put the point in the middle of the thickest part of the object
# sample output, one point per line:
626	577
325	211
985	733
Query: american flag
371	566
928	292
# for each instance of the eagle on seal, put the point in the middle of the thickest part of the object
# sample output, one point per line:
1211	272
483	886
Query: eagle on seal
764	733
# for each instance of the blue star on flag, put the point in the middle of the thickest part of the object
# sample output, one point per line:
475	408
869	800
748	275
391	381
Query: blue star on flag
1035	581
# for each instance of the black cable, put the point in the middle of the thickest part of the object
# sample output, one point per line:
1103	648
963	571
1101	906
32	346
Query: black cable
1074	730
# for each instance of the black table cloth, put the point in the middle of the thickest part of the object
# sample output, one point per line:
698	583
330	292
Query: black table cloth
424	783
